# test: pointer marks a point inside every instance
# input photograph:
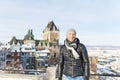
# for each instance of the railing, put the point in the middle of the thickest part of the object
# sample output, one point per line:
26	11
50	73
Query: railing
44	70
105	75
33	70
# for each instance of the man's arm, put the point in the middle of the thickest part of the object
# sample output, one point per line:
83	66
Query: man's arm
59	70
86	61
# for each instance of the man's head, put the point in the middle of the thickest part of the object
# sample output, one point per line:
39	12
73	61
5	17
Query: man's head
71	34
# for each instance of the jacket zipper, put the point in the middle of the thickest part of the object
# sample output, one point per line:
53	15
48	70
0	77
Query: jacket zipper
72	68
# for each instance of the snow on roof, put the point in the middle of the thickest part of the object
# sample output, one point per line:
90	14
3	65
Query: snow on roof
43	51
100	66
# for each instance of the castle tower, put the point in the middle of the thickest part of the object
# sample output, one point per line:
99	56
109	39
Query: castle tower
29	38
51	33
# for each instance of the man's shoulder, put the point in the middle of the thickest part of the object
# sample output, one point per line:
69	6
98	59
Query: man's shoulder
62	46
81	45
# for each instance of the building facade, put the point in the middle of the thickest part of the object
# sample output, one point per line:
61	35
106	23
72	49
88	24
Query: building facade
50	38
27	47
51	33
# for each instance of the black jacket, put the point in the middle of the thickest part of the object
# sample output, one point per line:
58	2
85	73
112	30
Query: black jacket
70	66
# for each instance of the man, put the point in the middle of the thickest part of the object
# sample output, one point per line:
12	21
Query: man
73	60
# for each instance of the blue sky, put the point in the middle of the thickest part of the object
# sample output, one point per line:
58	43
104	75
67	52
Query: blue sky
97	22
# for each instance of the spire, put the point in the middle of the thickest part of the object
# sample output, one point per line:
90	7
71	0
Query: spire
29	35
51	26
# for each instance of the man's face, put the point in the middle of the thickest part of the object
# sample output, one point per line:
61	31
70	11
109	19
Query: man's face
71	36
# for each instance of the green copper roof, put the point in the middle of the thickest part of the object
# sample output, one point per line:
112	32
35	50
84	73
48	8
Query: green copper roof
13	40
29	35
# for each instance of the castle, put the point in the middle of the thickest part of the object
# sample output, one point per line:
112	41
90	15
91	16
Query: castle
50	39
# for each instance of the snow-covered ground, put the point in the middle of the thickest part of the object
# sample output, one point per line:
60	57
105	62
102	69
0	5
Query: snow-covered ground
51	73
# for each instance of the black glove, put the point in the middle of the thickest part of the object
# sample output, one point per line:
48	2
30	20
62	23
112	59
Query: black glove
59	78
86	77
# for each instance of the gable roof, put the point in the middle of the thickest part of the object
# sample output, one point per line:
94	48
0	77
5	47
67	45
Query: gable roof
51	26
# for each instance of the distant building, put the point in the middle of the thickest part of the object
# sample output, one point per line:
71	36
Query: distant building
51	33
15	59
50	38
28	39
28	46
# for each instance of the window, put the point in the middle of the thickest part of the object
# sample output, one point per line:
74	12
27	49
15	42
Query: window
50	44
41	44
22	54
45	44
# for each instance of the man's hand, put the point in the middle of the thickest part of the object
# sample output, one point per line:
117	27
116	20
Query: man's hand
86	77
59	78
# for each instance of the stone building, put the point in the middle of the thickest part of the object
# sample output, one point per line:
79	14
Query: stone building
28	39
49	41
51	33
50	38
